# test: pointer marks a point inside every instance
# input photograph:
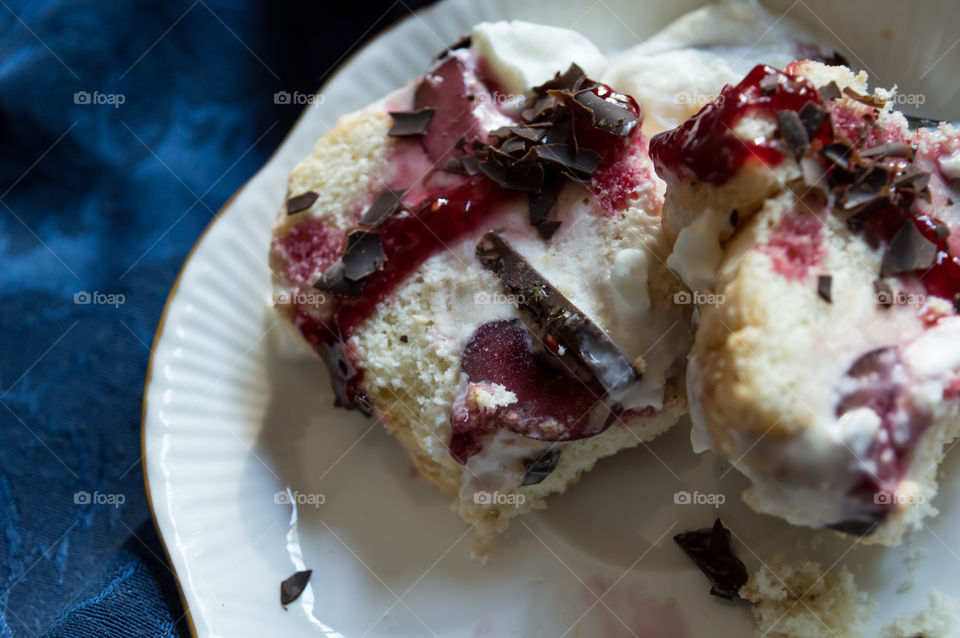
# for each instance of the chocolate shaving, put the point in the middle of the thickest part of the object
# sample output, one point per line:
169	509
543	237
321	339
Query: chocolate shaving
908	250
813	116
334	281
513	146
867	100
606	115
471	164
824	284
577	163
539	468
883	293
710	550
364	255
410	123
793	132
548	229
551	316
542	201
829	92
385	205
500	172
569	80
301	202
291	588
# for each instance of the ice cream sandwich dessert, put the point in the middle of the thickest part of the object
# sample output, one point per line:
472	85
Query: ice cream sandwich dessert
820	239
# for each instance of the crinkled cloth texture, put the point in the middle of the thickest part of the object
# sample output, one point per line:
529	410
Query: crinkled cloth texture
108	198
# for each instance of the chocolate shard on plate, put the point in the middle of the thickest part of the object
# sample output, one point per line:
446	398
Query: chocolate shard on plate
364	255
334	281
607	116
908	250
710	550
386	204
539	468
301	202
578	163
824	285
829	91
291	588
793	132
552	317
410	123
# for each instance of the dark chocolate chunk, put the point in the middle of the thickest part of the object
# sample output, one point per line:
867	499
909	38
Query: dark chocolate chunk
404	339
813	116
411	123
291	588
793	132
334	281
578	163
941	230
498	170
513	146
382	207
547	229
544	107
364	255
540	467
569	80
908	250
531	134
871	186
824	284
607	115
830	91
301	202
912	179
838	153
710	550
471	165
734	217
542	201
883	293
867	100
547	311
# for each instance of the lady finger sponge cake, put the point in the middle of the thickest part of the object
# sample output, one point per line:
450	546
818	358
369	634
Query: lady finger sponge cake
820	237
471	257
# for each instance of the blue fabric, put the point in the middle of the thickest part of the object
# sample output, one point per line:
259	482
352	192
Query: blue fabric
105	192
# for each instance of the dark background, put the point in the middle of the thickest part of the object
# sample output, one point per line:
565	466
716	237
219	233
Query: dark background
109	199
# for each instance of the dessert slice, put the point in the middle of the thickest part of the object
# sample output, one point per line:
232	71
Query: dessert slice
819	237
471	257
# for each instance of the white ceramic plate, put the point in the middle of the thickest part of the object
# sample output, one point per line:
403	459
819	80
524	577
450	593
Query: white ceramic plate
228	424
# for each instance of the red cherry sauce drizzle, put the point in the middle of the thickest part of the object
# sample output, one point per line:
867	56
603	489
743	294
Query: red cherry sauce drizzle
705	147
438	218
503	352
